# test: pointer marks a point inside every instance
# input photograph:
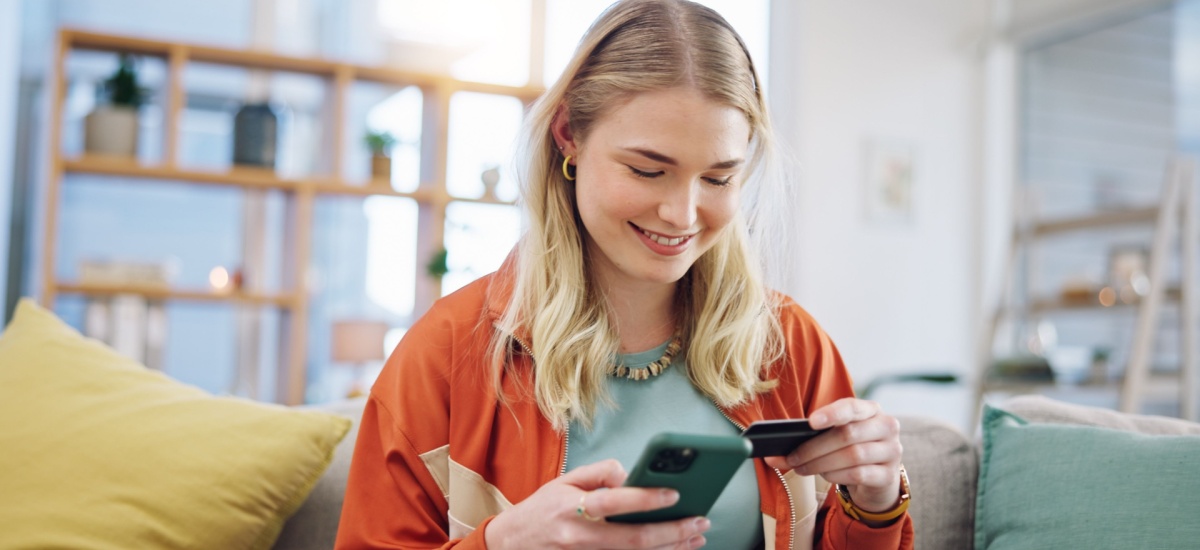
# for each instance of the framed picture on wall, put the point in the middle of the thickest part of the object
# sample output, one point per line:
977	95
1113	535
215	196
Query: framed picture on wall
889	181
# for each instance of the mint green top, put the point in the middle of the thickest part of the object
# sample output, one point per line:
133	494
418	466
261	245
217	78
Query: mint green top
668	402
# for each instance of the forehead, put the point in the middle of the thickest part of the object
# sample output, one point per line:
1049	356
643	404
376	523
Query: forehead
679	122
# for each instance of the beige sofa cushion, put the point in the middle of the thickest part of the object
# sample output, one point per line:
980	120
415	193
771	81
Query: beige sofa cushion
942	466
1037	408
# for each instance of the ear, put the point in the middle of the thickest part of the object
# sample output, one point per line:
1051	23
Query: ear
560	130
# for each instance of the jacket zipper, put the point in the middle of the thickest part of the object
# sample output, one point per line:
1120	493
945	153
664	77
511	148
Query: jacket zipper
562	469
787	490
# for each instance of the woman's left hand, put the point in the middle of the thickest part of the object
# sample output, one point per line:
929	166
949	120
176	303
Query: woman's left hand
861	451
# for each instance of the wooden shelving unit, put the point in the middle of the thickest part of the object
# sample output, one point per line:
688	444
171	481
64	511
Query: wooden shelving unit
1102	220
301	193
156	293
1174	219
254	178
1046	305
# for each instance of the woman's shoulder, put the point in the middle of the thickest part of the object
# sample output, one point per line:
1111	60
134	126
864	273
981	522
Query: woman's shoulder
791	314
453	317
467	304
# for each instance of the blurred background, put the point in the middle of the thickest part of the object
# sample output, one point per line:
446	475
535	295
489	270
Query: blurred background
258	197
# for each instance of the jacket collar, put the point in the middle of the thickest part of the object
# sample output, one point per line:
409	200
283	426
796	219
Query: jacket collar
499	294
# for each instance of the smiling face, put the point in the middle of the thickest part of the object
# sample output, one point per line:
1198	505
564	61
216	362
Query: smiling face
658	180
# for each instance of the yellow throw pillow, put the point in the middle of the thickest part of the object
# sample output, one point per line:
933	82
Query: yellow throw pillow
98	452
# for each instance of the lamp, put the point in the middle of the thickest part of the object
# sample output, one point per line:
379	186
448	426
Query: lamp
357	342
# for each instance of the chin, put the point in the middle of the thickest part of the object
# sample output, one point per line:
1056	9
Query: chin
664	276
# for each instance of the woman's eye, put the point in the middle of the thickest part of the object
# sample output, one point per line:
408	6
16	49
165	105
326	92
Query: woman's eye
644	174
719	182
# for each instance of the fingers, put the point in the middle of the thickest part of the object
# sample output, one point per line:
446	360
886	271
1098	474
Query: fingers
861	448
681	533
878	428
625	500
778	462
842	412
862	443
606	473
694	542
567	512
878	475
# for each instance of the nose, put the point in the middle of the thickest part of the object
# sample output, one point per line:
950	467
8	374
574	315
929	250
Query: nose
678	205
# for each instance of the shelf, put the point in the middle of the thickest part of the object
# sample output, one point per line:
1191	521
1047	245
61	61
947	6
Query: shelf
78	39
253	178
160	293
1134	216
425	193
1172	295
250	178
1159	384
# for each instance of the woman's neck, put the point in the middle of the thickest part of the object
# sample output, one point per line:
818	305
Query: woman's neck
644	315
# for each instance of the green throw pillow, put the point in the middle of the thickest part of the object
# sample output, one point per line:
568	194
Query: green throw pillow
98	452
1058	486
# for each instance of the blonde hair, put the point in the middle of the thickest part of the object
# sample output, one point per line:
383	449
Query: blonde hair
726	315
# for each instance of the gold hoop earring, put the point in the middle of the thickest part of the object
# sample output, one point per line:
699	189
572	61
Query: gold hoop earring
566	169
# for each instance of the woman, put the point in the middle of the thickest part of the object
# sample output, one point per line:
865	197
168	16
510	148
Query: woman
632	305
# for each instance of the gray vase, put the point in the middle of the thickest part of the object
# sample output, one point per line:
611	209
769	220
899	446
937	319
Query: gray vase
255	134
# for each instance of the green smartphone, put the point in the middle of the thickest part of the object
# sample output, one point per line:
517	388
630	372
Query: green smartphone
698	466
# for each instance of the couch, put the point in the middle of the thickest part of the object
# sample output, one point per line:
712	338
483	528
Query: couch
100	452
942	462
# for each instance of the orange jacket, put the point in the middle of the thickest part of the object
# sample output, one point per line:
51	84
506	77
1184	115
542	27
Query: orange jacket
438	456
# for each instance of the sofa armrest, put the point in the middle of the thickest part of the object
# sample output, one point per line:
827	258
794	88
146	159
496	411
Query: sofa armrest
943	466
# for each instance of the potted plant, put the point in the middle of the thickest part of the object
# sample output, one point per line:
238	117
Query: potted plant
438	265
380	144
112	127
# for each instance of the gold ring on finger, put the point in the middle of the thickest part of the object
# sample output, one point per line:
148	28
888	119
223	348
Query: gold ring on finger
582	510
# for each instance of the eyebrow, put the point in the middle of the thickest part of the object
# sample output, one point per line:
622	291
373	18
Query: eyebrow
659	157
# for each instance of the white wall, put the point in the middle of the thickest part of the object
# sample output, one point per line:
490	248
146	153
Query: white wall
10	42
895	297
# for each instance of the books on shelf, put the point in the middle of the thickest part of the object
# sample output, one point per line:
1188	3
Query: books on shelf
132	324
116	273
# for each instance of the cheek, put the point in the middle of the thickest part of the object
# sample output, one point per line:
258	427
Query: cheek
596	206
723	209
601	200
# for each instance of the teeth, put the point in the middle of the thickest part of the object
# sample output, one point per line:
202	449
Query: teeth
663	240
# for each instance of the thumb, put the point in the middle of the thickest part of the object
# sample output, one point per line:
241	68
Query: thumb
778	462
606	473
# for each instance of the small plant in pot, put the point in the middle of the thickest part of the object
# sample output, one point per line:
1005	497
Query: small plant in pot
439	264
112	127
380	144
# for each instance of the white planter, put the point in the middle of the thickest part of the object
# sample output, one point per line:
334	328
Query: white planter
111	130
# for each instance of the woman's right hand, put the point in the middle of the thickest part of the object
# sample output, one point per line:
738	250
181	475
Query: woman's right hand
549	518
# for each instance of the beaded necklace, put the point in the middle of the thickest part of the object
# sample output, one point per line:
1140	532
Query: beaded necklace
653	369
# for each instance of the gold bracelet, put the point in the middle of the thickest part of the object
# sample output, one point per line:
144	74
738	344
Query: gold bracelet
862	515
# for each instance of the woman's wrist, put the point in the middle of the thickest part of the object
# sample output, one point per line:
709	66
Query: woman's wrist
874	500
872	512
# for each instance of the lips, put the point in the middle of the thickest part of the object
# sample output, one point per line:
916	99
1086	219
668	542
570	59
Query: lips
663	239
